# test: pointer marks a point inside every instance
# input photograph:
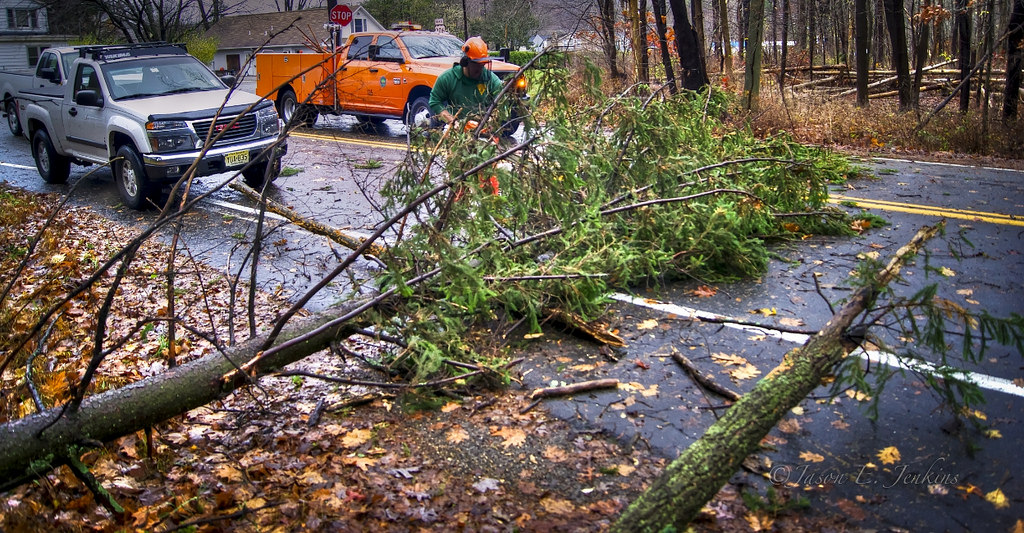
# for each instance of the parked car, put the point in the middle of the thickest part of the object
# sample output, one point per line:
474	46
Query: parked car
148	109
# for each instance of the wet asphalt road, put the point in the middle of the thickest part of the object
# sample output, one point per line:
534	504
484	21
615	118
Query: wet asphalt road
928	489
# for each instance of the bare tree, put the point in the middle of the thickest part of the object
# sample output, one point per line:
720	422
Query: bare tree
1014	60
160	20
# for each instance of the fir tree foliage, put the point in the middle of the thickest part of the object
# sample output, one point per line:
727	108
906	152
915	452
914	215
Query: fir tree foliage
639	187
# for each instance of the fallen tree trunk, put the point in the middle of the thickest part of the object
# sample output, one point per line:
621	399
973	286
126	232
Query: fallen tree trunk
31	446
690	481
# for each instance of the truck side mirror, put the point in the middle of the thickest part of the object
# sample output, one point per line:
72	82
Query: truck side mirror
228	80
88	98
505	54
50	74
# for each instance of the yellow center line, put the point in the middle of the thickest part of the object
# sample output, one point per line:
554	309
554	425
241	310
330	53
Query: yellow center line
917	209
349	140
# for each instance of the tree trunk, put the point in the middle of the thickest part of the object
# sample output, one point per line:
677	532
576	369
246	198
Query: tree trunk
963	32
691	52
1014	60
861	44
31	446
662	28
752	75
690	481
785	44
920	55
607	20
697	9
645	62
726	38
897	25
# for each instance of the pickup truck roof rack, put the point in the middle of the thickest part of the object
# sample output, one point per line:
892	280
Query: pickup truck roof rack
118	51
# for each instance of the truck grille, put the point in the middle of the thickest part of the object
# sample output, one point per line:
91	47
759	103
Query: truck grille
245	127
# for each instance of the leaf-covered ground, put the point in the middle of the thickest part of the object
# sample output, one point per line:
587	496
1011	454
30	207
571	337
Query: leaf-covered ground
269	459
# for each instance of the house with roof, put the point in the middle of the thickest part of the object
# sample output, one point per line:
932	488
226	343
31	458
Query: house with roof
238	37
24	34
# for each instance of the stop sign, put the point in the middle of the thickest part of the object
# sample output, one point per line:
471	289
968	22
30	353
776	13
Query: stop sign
341	14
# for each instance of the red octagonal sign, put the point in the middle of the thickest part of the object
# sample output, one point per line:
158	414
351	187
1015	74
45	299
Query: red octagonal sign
341	14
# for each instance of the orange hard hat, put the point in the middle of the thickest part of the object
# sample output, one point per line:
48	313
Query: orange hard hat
476	50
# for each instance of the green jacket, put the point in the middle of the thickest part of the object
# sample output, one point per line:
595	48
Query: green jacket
455	92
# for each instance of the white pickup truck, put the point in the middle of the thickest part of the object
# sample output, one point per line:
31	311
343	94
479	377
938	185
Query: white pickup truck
149	109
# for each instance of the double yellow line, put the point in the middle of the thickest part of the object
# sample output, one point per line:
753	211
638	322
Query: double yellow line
348	140
963	214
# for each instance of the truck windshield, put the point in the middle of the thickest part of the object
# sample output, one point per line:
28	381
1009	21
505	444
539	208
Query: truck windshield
421	46
142	78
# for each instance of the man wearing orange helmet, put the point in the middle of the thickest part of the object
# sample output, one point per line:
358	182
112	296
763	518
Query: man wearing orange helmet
468	87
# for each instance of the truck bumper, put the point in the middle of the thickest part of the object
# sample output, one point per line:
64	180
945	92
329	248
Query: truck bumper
170	167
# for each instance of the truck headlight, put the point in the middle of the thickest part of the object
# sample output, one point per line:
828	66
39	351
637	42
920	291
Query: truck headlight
267	122
170	135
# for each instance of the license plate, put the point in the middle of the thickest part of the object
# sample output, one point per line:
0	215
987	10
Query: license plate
233	159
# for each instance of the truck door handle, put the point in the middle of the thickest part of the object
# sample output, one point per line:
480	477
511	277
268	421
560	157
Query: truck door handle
372	70
73	112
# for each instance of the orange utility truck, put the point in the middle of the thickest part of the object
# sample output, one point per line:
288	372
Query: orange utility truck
374	76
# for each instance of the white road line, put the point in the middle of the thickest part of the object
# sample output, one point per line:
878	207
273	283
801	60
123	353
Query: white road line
982	380
15	165
937	163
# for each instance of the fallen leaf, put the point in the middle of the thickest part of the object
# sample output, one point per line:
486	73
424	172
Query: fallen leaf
228	473
641	364
946	271
799	411
791	322
839	424
624	470
789	425
557	506
456	435
362	463
812	457
993	434
512	436
860	396
450	406
965	292
744	372
889	455
728	359
1018	527
997	498
704	291
766	311
791	227
650	323
970	489
486	484
555	454
1019	382
356	438
759	521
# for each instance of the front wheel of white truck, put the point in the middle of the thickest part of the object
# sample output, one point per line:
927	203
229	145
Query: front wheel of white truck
130	176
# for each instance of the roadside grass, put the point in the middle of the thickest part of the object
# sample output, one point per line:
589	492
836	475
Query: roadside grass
838	122
817	119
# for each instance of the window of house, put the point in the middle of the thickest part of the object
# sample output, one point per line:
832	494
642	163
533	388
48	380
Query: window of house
22	19
34	52
358	25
